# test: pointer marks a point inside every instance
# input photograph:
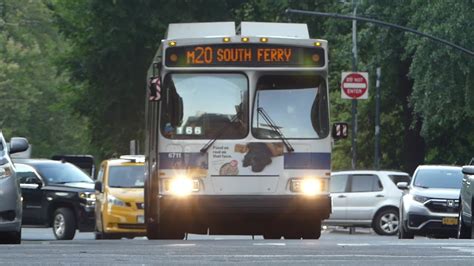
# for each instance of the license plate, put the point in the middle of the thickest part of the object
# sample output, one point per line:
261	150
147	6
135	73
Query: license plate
140	219
450	221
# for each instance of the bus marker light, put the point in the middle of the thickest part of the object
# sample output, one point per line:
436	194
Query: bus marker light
245	39
317	44
172	43
316	57
226	39
263	39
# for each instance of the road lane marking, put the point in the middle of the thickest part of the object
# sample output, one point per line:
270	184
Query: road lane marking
180	245
269	244
353	244
462	249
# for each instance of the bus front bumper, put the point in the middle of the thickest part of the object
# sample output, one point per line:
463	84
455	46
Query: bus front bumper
318	207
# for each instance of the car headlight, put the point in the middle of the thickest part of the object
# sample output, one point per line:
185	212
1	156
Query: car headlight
309	186
89	197
115	201
181	186
5	171
420	199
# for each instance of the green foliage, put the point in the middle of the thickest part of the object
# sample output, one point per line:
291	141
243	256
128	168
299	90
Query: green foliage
34	98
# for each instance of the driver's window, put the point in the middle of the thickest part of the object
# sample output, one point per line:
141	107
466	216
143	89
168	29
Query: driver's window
27	178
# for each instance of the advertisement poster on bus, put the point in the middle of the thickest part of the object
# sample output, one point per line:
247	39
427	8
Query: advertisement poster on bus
256	158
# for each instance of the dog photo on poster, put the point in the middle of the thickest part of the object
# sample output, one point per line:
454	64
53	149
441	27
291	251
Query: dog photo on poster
256	158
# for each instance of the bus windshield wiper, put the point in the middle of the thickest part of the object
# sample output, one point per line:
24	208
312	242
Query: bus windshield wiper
275	128
219	133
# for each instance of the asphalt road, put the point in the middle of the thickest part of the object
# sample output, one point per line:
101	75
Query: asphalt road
336	247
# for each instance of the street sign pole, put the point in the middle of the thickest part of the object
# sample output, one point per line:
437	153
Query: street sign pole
354	101
377	120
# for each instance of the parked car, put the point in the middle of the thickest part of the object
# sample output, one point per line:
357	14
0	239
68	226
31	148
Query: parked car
430	205
120	201
466	202
56	194
10	194
365	198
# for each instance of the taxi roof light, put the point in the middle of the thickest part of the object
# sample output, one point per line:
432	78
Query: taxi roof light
134	158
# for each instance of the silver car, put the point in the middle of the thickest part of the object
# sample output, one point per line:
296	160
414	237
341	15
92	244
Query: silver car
10	195
366	198
430	204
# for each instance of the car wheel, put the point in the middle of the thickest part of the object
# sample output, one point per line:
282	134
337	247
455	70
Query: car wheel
464	231
313	231
271	235
169	230
405	233
64	224
386	222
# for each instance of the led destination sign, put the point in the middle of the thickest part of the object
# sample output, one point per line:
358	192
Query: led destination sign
244	55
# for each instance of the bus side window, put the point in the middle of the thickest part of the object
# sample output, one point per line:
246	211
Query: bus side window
173	104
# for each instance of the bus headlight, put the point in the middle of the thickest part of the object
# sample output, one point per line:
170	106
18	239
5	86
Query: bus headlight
308	186
181	186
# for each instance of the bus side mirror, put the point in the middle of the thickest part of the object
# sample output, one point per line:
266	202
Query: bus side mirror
154	88
340	130
98	186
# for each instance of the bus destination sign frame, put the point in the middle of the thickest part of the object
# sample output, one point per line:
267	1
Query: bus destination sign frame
245	55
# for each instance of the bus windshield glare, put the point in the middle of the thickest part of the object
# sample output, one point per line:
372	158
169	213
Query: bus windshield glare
205	106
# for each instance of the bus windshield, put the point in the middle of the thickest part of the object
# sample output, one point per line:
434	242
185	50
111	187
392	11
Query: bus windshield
297	104
205	106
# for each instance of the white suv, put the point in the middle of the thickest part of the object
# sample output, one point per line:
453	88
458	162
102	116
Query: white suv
364	198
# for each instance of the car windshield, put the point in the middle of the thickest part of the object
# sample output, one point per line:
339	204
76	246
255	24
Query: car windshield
438	178
297	104
127	176
205	106
61	173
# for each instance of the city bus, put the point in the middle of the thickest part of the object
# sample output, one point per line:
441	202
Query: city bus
238	138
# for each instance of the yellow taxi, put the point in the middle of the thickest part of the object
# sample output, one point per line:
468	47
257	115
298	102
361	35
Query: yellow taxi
119	189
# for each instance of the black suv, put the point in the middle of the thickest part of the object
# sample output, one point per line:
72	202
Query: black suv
56	194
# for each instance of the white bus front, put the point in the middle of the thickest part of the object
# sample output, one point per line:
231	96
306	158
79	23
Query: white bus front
243	139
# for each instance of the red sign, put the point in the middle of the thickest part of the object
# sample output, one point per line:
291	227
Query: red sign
355	85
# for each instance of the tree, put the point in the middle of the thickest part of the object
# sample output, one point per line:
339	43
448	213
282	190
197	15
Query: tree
33	96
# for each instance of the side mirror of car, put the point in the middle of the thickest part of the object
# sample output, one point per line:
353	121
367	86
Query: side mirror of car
468	170
39	183
18	144
98	186
340	130
402	185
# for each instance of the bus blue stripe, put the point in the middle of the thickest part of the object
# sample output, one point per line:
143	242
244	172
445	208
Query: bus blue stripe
294	160
307	160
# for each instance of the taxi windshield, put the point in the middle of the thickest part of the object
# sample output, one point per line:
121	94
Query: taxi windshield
129	176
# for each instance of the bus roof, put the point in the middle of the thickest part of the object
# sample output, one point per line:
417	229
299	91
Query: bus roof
228	29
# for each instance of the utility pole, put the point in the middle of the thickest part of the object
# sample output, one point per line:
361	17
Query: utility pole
377	120
354	102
